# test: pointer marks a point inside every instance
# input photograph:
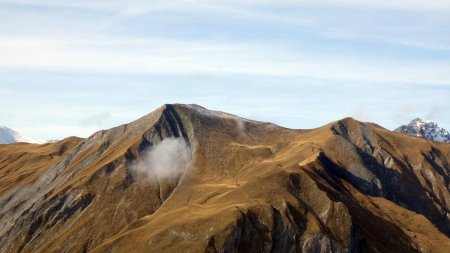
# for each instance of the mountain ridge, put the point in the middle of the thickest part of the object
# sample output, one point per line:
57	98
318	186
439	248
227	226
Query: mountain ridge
251	186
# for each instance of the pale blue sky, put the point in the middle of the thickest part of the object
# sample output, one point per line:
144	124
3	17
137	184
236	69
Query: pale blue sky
75	67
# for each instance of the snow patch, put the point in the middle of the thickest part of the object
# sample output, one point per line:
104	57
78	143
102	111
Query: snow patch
7	136
425	129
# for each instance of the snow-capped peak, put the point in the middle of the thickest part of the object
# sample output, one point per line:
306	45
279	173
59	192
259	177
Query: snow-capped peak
426	129
7	136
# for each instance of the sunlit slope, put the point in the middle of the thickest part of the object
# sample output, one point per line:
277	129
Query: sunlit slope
250	187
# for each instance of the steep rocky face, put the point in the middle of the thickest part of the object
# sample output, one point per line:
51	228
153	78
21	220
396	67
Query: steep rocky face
426	129
248	187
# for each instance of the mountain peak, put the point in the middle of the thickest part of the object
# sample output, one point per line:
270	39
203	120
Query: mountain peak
422	121
8	135
426	129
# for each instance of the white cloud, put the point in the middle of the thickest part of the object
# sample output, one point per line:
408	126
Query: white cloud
165	160
428	31
165	56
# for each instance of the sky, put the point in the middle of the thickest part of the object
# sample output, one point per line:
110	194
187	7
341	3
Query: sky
75	67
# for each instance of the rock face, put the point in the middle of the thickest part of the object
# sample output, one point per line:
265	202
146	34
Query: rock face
247	186
426	129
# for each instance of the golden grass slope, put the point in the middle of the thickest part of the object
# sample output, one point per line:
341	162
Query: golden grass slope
251	187
21	163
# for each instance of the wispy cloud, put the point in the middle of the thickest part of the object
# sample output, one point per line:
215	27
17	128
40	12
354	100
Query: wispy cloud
158	56
172	4
102	119
415	23
273	60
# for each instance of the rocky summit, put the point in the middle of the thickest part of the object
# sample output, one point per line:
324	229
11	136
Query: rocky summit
187	179
425	129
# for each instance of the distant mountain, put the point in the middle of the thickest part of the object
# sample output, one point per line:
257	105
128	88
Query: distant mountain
7	136
426	129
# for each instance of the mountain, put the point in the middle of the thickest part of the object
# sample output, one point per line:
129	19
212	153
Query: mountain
187	179
425	129
7	136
